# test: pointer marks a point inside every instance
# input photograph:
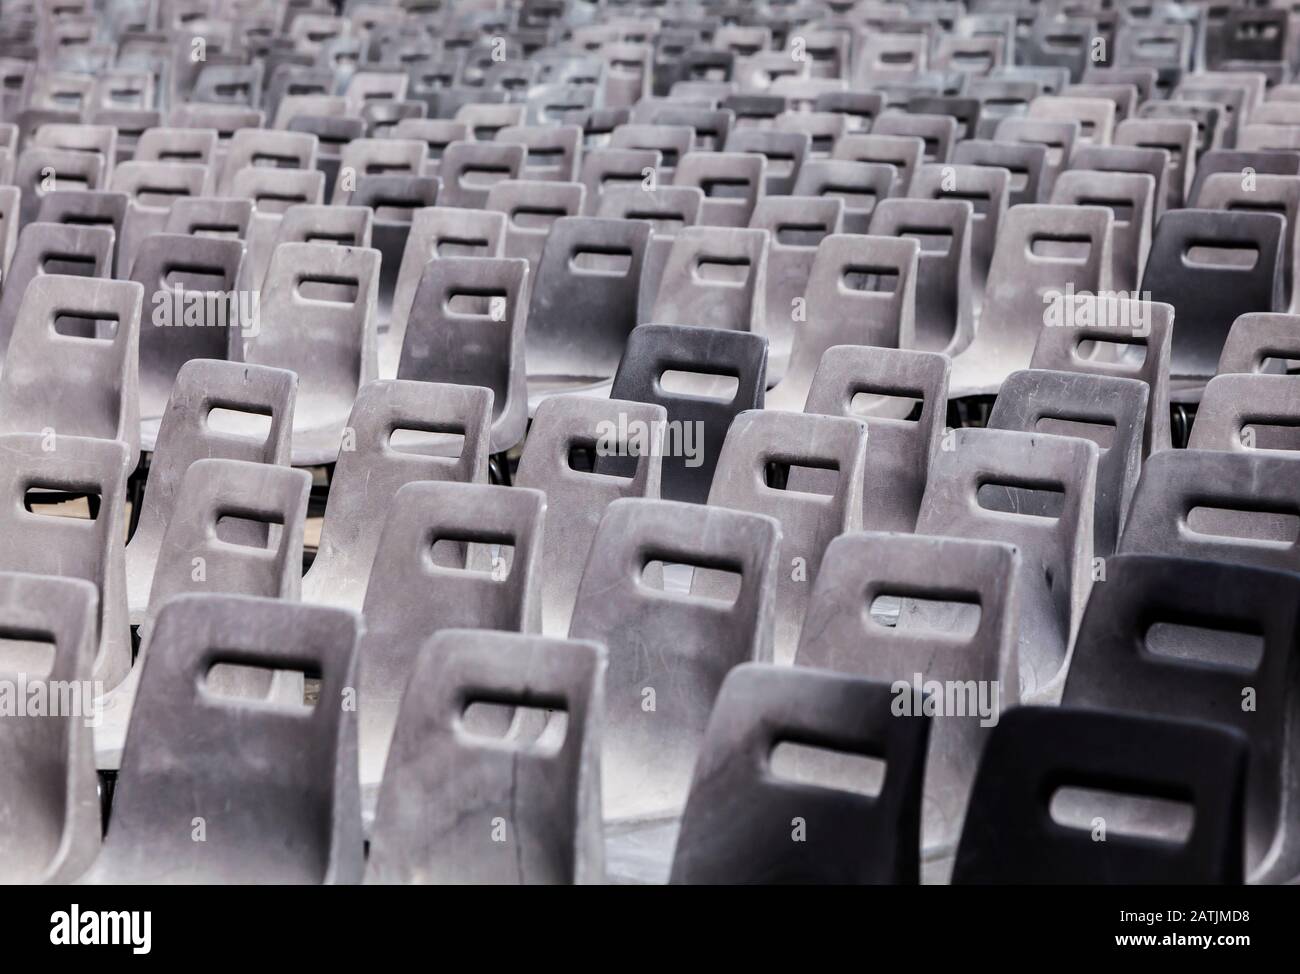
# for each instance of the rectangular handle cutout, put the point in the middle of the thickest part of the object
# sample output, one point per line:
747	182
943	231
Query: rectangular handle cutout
1129	814
803	764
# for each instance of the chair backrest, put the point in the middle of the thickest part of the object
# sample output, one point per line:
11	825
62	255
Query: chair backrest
553	150
988	190
1230	507
469	169
1113	336
1248	411
97	384
1109	410
197	309
715	277
669	651
210	216
823	458
709	356
861	291
584	301
1025	161
271	787
1130	197
784	828
371	469
532	209
236	529
1044	256
467	328
796	225
45	543
1256	338
733	182
944	317
861	185
47	766
543	797
1213	266
1219	646
340	335
39	170
47	248
1038	753
900	449
981	488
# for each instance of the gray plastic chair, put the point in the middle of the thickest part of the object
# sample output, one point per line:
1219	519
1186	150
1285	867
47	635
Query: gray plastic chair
700	411
248	777
532	210
1276	194
976	490
811	509
82	207
1119	337
394	199
436	231
861	291
189	431
1109	410
47	248
845	836
469	169
331	344
554	151
577	499
732	182
210	216
1130	197
944	318
96	390
1170	637
584	301
1215	505
669	652
1022	826
49	544
1256	338
372	468
38	171
988	190
899	449
1197	265
467	328
47	767
417	589
957	623
715	277
191	288
236	529
541	798
1036	266
796	225
1247	411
